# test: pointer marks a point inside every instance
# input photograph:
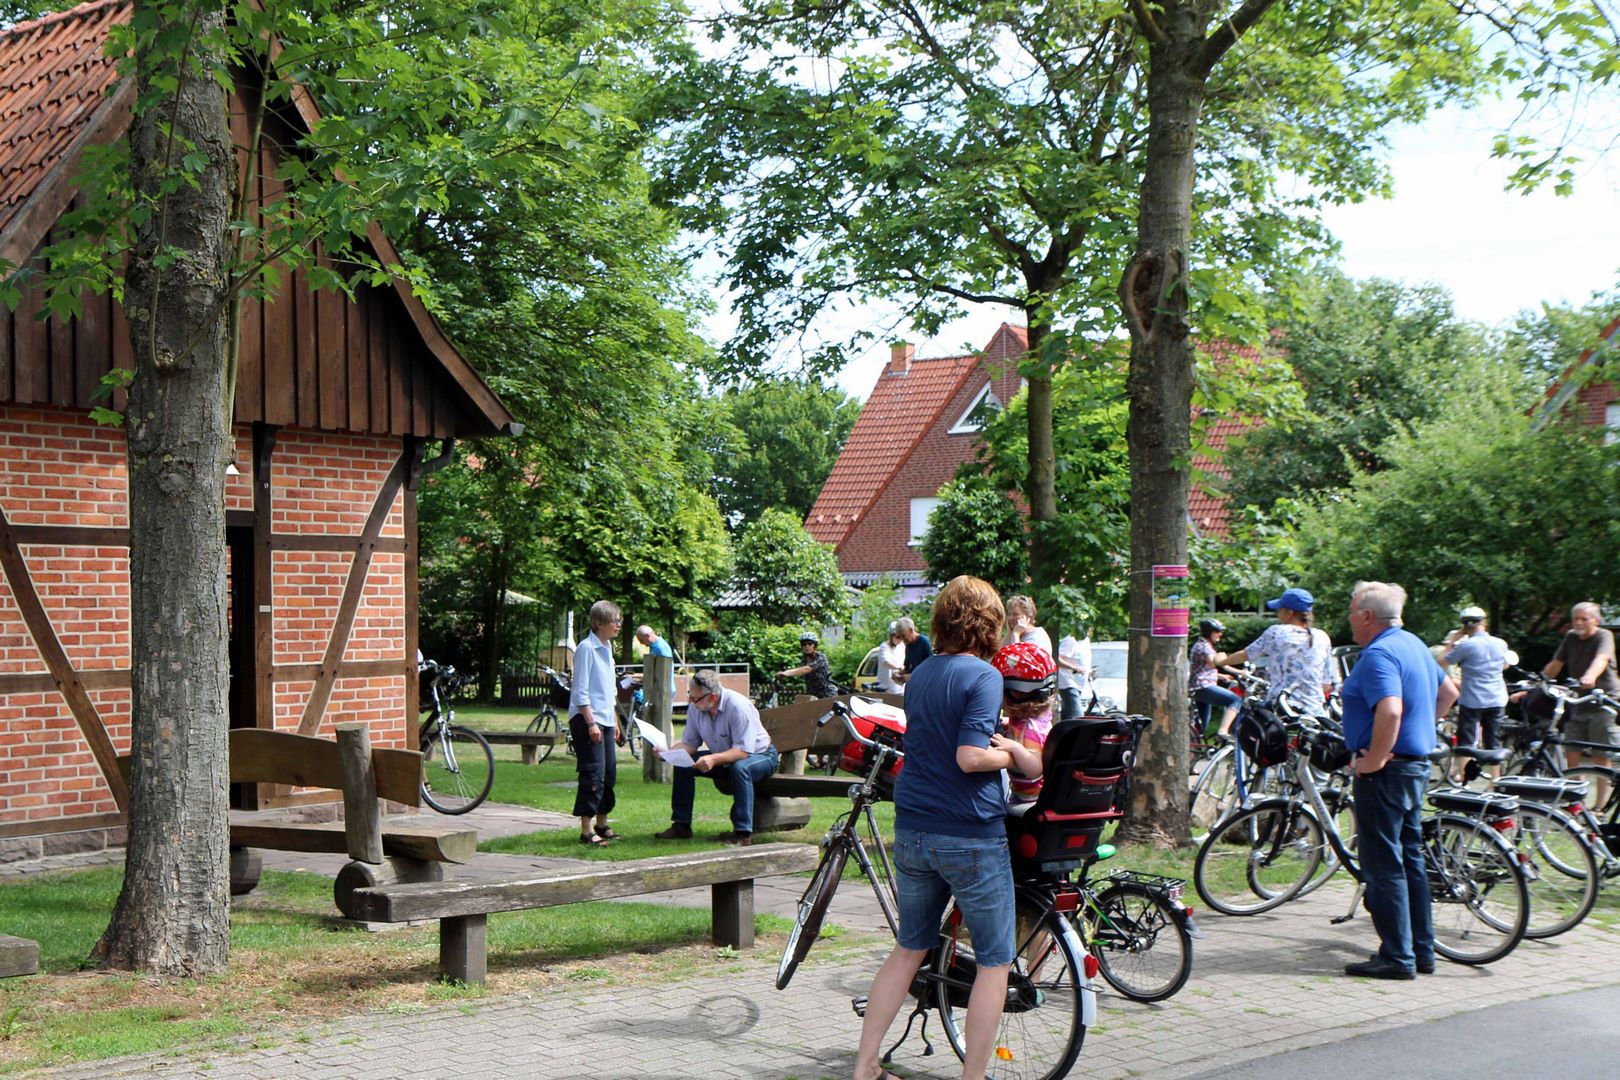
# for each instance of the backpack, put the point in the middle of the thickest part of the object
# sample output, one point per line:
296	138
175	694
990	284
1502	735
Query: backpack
1261	736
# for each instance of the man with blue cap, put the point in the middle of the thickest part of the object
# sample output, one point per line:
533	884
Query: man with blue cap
1299	658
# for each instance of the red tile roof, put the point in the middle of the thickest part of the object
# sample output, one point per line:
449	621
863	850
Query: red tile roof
1208	507
54	77
903	406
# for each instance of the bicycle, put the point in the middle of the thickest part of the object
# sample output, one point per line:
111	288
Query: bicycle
545	722
1050	997
1264	855
458	766
1139	931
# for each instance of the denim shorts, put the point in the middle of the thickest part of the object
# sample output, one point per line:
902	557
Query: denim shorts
930	868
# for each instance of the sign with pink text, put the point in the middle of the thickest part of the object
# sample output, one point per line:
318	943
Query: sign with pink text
1171	604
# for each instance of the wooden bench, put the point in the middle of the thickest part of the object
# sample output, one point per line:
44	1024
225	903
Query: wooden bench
417	847
18	956
529	742
463	907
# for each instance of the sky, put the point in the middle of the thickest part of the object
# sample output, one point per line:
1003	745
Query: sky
1450	221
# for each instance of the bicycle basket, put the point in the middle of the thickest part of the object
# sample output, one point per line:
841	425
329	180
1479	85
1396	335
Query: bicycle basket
1328	752
557	691
856	757
1261	736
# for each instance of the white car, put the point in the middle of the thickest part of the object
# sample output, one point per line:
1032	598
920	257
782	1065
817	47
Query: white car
1108	659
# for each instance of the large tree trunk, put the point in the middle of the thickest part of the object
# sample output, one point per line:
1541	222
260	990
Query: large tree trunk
1040	485
1154	294
172	915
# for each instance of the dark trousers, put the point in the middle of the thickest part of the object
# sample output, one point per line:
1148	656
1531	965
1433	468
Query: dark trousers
1472	722
737	780
1389	840
1072	703
598	766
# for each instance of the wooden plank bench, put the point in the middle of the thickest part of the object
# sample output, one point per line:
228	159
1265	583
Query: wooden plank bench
417	847
789	786
529	742
18	956
781	800
463	907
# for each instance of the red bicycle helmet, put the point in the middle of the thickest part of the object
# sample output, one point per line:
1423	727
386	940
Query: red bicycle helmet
1026	668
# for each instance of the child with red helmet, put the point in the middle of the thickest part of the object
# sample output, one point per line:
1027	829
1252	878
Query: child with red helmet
1028	689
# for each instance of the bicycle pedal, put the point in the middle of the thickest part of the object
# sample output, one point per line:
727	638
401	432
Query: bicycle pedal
858	1003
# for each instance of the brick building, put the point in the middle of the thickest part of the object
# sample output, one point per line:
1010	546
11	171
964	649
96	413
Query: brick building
1592	401
915	429
336	403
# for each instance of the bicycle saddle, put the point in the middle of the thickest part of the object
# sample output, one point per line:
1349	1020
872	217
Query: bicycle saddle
1473	803
1481	755
1548	790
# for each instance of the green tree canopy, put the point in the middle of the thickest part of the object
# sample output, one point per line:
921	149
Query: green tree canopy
790	577
784	439
1373	358
977	530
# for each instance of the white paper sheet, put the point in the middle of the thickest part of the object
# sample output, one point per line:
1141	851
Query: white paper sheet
653	736
677	757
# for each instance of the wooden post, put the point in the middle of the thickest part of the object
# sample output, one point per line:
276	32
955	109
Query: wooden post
733	906
362	816
656	676
464	948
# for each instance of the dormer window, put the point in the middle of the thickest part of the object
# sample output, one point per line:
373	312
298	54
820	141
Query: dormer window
975	415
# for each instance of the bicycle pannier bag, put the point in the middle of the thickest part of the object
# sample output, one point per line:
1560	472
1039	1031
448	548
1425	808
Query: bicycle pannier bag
1262	737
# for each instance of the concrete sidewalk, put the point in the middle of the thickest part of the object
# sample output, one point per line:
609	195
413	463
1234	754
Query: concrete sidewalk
1260	986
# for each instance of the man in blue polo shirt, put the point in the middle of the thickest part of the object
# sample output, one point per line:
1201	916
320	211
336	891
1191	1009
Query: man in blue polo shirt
1391	698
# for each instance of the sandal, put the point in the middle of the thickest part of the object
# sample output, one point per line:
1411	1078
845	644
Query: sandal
594	841
608	834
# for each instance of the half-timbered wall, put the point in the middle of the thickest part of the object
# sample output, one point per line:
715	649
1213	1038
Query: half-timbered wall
62	496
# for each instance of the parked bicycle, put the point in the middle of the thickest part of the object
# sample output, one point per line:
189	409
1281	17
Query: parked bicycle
1051	999
458	767
632	707
546	722
1266	854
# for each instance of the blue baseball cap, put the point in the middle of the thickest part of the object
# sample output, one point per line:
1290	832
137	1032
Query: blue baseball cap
1293	600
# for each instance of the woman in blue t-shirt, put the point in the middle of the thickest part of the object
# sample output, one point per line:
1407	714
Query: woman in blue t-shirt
950	833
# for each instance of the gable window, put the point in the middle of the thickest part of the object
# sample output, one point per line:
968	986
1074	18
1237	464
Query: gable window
920	509
1611	424
973	418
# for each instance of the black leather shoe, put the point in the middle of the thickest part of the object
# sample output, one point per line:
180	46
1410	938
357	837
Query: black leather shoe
1425	969
1377	968
674	832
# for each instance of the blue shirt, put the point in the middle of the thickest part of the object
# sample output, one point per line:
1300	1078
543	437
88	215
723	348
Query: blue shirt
1394	664
734	722
952	700
593	681
1481	658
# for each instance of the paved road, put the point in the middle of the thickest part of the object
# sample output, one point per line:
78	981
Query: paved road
1264	989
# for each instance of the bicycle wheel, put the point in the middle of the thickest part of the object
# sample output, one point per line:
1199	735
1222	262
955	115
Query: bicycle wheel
1258	858
458	768
632	731
1142	948
1336	794
545	723
812	910
1480	902
1606	778
1214	794
1043	1024
1559	869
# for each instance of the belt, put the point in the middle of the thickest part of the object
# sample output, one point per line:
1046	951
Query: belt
1408	757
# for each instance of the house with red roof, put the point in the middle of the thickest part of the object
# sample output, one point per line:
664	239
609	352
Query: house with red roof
337	401
1592	401
919	424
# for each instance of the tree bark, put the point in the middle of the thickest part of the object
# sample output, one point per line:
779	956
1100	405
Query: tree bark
1154	296
172	916
1040	484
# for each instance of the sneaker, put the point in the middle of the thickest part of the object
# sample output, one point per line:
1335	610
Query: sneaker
674	832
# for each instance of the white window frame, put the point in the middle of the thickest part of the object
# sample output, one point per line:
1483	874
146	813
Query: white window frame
965	424
920	527
1611	423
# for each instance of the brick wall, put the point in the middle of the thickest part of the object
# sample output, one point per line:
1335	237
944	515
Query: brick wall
58	468
880	540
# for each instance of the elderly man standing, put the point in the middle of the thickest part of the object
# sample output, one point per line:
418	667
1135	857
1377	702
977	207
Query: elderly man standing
1587	651
740	756
1391	699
